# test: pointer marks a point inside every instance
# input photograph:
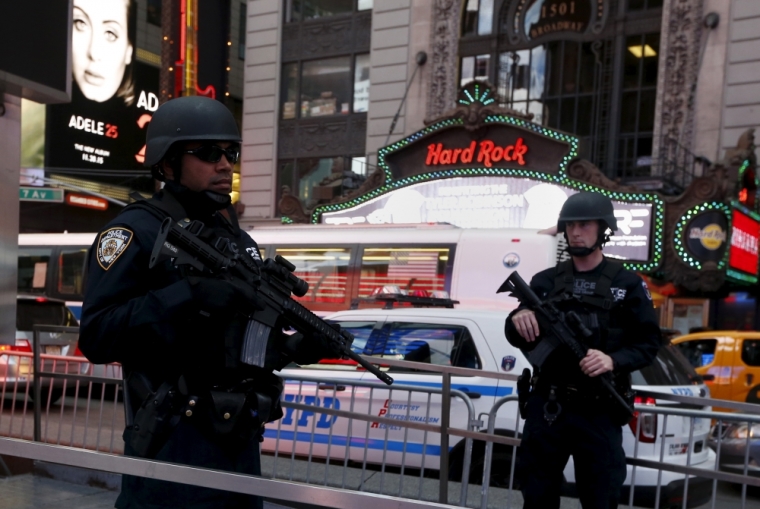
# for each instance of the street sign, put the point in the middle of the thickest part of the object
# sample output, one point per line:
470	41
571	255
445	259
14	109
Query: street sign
88	202
40	194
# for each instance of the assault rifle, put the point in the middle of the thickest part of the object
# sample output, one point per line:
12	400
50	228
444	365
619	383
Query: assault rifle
185	243
560	329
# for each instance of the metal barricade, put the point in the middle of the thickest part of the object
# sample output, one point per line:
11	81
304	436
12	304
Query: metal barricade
90	416
282	491
443	430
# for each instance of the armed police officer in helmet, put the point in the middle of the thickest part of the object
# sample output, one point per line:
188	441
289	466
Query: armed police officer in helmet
567	411
175	330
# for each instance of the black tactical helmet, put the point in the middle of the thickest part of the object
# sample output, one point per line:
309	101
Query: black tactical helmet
585	206
188	119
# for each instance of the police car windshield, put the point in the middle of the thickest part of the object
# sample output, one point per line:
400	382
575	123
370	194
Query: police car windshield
669	368
31	312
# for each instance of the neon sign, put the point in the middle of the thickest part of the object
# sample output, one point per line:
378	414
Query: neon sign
743	255
487	153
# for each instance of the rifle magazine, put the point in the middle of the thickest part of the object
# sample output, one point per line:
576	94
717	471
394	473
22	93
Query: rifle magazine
255	343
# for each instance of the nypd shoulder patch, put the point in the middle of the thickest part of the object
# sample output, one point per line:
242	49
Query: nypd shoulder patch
111	244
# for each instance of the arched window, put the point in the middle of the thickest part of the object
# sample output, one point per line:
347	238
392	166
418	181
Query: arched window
581	66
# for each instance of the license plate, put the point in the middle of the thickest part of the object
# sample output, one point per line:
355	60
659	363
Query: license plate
53	350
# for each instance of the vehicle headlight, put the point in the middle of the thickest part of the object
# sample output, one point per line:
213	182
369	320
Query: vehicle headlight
740	432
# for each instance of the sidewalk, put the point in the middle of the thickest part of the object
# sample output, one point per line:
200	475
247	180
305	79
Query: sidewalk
36	492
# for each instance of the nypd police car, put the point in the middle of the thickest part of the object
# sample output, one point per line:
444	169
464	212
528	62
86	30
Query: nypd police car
470	339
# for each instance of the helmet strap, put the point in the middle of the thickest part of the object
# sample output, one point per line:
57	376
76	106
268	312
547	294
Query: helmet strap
601	239
198	203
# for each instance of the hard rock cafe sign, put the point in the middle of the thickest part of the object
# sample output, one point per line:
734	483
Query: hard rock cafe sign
483	166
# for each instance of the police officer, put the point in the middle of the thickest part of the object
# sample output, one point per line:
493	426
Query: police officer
188	399
567	412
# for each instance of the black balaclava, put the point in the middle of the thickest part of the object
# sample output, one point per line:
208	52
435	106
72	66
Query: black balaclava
198	204
601	239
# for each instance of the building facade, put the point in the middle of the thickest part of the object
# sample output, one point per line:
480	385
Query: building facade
649	86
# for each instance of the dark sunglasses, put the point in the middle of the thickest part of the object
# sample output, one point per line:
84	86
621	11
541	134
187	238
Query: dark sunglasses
213	153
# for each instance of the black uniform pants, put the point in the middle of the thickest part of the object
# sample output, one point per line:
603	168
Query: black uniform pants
585	433
190	446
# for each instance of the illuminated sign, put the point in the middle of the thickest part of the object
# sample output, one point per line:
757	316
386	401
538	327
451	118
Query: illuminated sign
113	95
534	20
486	153
503	146
496	202
550	16
706	236
88	202
743	253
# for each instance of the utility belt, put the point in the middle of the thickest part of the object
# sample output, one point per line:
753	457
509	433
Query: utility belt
237	412
570	396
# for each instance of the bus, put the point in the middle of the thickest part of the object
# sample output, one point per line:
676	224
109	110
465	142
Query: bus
342	264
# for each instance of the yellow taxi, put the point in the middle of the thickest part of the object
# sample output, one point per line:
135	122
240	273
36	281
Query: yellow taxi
729	362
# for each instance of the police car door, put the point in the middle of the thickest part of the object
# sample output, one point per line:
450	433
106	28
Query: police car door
440	341
305	432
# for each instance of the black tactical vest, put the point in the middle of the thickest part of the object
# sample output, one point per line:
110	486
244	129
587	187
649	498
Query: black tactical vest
594	310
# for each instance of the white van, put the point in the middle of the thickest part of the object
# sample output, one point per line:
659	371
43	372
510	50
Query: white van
340	263
473	339
345	263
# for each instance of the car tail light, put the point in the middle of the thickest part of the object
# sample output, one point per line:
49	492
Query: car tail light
40	299
648	427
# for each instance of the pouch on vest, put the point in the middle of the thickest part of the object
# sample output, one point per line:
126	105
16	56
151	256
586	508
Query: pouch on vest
226	408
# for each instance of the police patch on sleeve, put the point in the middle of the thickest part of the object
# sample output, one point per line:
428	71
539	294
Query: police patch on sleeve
254	252
111	244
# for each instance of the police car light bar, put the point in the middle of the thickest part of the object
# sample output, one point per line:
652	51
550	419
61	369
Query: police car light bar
392	294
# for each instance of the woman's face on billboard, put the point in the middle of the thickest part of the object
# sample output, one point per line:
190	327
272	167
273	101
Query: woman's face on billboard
100	47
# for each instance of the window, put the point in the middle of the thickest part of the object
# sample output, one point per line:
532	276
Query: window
474	68
443	345
751	352
699	352
303	10
325	87
641	5
302	175
289	90
554	82
154	12
361	83
361	332
668	368
637	104
325	269
33	265
71	271
407	267
478	17
29	313
242	30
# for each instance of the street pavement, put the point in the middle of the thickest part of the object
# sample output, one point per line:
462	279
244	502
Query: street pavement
30	491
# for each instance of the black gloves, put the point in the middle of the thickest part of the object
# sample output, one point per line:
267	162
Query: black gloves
310	349
222	297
